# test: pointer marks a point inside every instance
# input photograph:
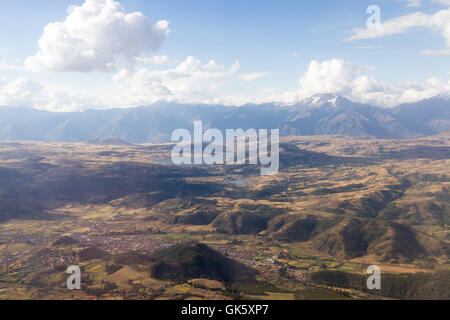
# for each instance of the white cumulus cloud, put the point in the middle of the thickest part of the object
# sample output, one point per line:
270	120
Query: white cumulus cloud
357	84
97	36
156	60
23	92
190	81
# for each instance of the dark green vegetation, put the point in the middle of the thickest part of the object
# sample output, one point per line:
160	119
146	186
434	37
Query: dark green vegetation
419	286
192	261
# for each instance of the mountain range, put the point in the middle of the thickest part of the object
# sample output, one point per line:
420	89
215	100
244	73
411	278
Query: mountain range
319	115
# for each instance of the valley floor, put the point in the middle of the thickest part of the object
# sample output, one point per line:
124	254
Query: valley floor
337	206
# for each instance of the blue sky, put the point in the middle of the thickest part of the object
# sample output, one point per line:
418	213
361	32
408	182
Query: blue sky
261	49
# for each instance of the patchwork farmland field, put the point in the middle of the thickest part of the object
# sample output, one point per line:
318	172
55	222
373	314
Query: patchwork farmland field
141	228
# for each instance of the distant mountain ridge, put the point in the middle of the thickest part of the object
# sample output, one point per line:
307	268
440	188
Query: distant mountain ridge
319	115
110	142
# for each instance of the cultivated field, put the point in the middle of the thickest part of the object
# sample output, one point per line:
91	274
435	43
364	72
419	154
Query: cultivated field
141	228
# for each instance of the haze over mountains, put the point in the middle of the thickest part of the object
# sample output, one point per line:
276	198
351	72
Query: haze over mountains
318	115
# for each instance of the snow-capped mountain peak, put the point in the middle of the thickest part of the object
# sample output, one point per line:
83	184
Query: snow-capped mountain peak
321	100
443	96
